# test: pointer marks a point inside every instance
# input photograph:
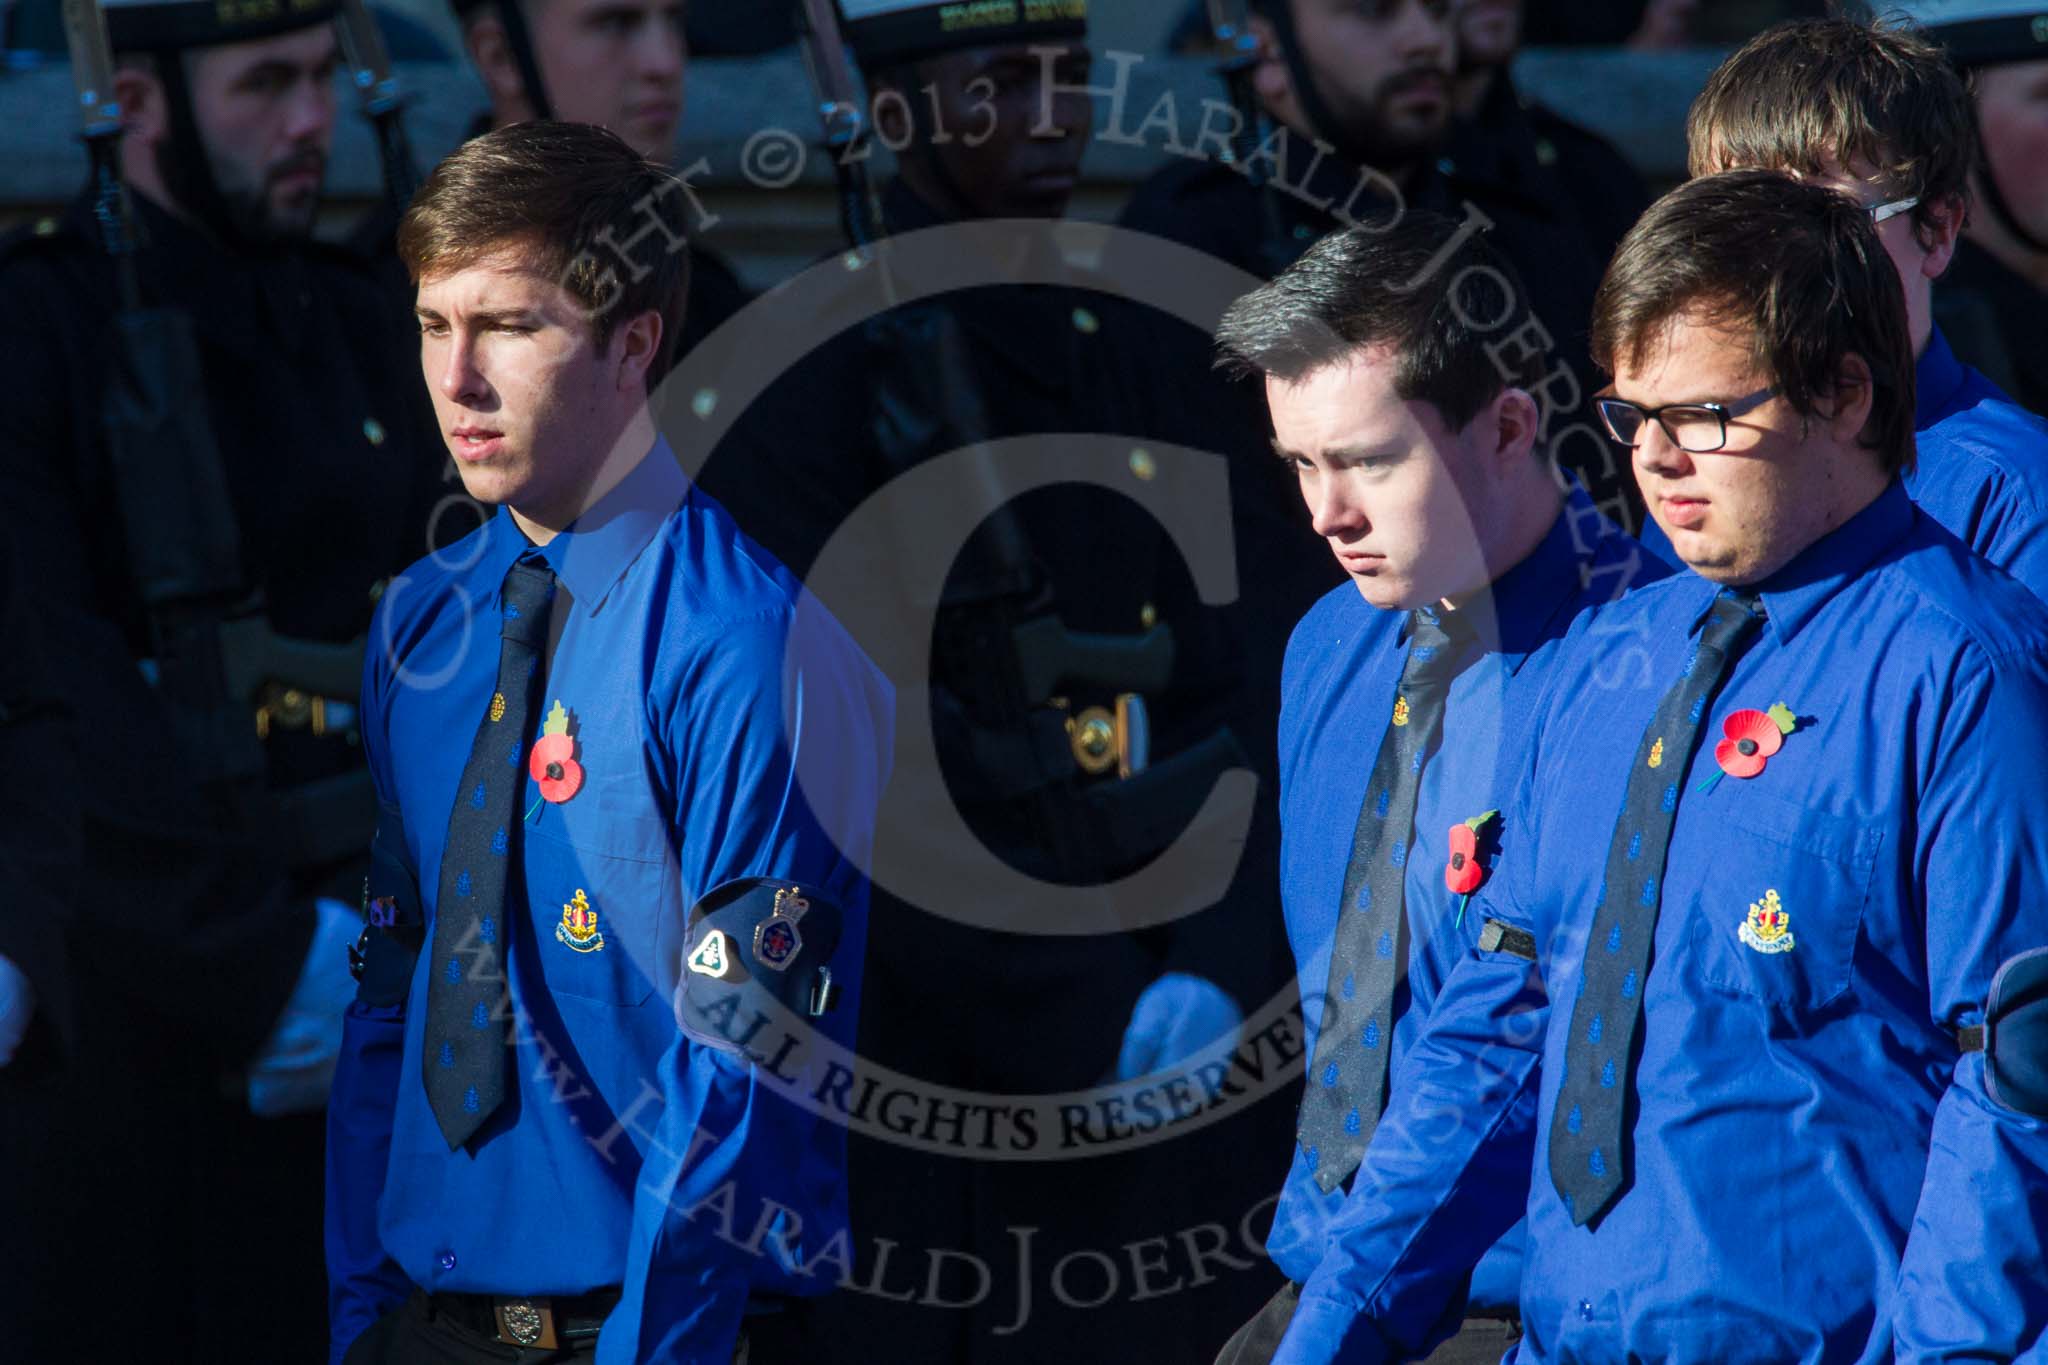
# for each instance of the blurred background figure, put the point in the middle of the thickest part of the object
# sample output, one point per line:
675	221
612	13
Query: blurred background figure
1516	146
38	860
992	129
213	458
1993	302
619	64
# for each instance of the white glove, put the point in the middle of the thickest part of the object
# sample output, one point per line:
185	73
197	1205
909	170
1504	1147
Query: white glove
1176	1017
17	1007
295	1065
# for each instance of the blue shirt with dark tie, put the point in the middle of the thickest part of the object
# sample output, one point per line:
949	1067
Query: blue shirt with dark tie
1342	669
725	728
1982	470
1817	1170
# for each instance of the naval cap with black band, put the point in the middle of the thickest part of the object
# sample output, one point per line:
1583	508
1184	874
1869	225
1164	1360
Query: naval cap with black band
175	25
887	32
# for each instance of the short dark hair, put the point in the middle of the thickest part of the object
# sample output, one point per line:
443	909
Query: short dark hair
1796	267
1416	287
600	218
1837	90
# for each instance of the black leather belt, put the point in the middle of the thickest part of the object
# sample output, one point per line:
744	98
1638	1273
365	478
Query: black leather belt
538	1321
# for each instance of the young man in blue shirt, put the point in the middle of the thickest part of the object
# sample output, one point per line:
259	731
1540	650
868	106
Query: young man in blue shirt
1879	113
1782	825
1400	391
627	771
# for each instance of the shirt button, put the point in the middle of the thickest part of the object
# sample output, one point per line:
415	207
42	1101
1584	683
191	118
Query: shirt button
1585	1305
446	1260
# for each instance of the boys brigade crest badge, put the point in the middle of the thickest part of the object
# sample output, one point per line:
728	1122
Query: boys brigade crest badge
1768	928
777	940
578	929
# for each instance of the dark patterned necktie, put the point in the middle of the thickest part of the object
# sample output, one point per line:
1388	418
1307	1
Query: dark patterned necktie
465	1057
1588	1155
1347	1079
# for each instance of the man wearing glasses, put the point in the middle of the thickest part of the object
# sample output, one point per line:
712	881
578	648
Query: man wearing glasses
1879	114
1782	830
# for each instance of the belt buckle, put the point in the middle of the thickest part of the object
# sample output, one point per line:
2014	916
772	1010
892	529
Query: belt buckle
525	1322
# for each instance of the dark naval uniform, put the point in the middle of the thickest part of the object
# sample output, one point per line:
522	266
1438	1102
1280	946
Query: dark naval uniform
194	911
1998	321
38	844
958	1004
1554	170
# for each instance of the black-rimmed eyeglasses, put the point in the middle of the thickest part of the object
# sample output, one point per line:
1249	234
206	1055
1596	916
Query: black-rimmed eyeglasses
1699	428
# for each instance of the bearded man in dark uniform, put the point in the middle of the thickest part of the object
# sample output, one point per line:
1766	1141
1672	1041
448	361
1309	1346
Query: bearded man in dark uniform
212	461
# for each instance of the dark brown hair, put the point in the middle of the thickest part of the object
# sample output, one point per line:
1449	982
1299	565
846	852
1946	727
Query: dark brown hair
1795	267
1810	92
586	209
1452	309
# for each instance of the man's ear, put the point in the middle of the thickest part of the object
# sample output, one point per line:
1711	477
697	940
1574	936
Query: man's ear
1848	409
1515	418
892	117
145	116
638	344
1272	77
1944	228
491	51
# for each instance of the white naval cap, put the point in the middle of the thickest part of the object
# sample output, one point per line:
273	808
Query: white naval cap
1982	32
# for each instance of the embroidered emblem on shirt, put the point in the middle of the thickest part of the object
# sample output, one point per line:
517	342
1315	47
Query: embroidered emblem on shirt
1768	928
1400	710
578	929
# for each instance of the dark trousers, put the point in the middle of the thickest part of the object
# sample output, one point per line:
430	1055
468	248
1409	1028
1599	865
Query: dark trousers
1480	1341
126	1171
414	1334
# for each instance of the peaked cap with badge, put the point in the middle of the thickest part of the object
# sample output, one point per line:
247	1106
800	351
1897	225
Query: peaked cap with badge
887	31
174	25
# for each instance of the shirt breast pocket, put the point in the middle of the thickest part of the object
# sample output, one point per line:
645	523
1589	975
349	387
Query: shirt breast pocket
599	888
1778	921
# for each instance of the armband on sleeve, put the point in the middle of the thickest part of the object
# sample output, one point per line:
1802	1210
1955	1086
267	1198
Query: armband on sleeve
395	921
2015	1036
752	942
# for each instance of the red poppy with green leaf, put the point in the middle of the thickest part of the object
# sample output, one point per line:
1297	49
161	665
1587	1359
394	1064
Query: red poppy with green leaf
1464	873
1753	738
553	764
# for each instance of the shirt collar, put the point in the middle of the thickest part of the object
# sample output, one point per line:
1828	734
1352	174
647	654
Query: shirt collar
594	552
1937	379
1527	599
1795	594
